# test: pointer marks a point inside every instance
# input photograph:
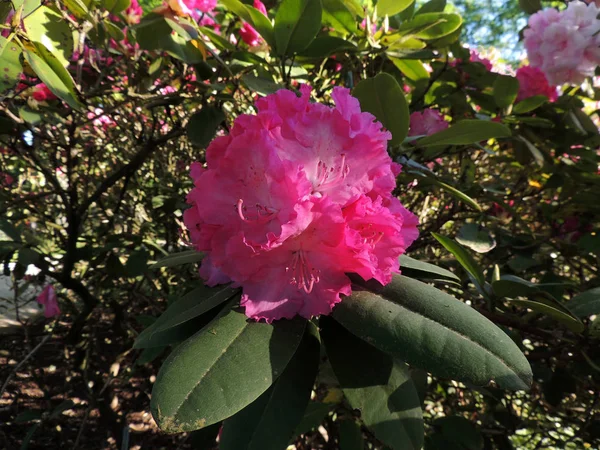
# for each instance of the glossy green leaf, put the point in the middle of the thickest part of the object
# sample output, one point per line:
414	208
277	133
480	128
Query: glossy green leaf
77	7
351	437
297	22
324	46
425	271
572	323
269	422
413	69
529	104
262	86
466	132
177	259
506	89
376	384
190	306
392	7
476	238
530	6
221	370
458	431
434	331
28	6
10	54
48	27
586	304
51	71
115	6
453	191
382	96
254	17
203	125
430	26
463	257
337	14
432	6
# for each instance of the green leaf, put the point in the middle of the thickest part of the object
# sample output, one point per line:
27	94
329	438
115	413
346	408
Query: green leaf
10	54
177	259
262	86
413	69
463	257
506	89
476	238
466	132
530	6
456	430
297	22
422	270
50	29
337	14
115	6
382	96
51	71
586	304
203	125
351	437
432	6
314	415
566	319
529	104
28	6
269	422
434	331
221	370
78	8
452	191
376	384
431	26
190	306
392	7
324	46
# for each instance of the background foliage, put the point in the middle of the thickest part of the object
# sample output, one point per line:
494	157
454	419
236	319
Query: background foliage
93	185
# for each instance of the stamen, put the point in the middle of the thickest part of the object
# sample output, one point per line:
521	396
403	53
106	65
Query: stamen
303	275
263	213
326	176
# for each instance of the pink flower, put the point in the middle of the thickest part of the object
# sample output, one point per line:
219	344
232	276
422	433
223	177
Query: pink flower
565	44
202	5
475	57
299	195
48	299
134	12
532	81
41	93
247	32
101	120
6	179
429	121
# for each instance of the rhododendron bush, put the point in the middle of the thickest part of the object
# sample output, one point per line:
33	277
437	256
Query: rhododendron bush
298	224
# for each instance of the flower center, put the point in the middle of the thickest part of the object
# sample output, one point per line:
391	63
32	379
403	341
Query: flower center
260	214
303	275
370	236
328	176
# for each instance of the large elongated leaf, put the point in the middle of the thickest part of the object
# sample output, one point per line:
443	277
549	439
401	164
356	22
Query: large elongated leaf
203	125
506	89
10	55
254	17
376	384
383	97
572	323
51	71
586	304
177	259
297	22
466	132
392	7
419	269
188	307
221	370
434	331
430	26
48	27
337	14
269	422
463	257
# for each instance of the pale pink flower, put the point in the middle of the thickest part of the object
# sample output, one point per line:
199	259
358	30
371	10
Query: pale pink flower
48	299
565	44
294	198
476	57
426	122
134	12
532	81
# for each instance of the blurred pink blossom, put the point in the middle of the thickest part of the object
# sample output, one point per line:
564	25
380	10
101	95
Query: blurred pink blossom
48	299
426	122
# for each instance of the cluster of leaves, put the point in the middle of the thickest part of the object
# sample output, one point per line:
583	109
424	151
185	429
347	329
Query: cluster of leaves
507	191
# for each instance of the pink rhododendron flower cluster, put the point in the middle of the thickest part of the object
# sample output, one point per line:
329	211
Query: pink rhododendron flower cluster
426	122
294	198
134	13
48	299
41	93
565	45
248	33
532	81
